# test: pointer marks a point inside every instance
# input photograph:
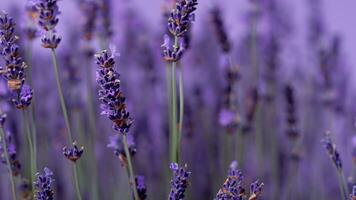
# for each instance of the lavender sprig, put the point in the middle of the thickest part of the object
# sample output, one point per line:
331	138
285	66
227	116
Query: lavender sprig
43	186
179	182
141	187
73	153
113	104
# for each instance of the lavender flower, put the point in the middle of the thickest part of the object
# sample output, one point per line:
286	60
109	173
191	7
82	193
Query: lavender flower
220	31
171	54
181	17
48	20
232	187
43	185
331	150
291	112
179	182
251	105
110	95
24	98
255	190
73	153
141	187
353	193
12	153
116	143
89	9
25	189
13	71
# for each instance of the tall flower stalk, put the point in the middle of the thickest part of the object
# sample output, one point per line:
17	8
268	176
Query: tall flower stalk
179	22
114	105
14	73
48	20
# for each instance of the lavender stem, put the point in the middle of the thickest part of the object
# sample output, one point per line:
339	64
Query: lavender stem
29	140
66	119
175	137
130	168
13	188
181	108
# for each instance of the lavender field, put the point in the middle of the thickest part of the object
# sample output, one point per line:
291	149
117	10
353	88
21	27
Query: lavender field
177	99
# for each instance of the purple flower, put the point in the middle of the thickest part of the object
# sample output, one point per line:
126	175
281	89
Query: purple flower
23	100
181	17
220	29
13	71
117	145
331	150
43	185
353	193
89	9
179	182
73	153
171	54
11	151
232	187
48	20
113	101
141	187
255	190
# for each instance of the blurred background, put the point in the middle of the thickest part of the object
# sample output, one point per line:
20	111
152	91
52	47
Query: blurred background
267	100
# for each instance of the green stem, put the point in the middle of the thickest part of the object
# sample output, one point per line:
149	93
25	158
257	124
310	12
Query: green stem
181	108
66	118
29	140
130	168
8	164
175	156
61	97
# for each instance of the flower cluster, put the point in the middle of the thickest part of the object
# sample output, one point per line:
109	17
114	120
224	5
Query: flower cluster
233	189
89	9
179	182
43	185
73	153
11	151
116	143
331	150
110	95
179	22
353	193
48	19
181	17
13	71
141	187
220	31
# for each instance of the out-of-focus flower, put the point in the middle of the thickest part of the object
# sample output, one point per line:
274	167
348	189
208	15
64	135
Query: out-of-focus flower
251	105
220	31
112	99
181	17
73	153
141	187
331	150
11	151
43	189
116	143
25	189
89	9
24	98
353	193
291	112
179	182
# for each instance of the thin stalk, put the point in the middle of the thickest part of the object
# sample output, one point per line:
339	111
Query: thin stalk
130	168
29	140
66	118
61	97
8	164
93	131
181	108
175	156
169	98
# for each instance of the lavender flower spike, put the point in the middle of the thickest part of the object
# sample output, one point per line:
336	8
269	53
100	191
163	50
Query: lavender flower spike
73	153
353	194
141	187
181	17
179	182
48	20
232	187
256	190
12	153
110	95
331	150
116	143
43	185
